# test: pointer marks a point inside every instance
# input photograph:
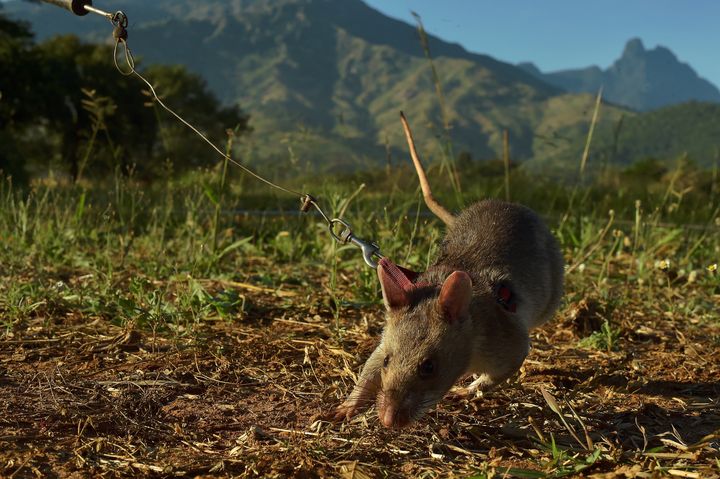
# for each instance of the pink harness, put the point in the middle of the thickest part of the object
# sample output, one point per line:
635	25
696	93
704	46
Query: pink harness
405	279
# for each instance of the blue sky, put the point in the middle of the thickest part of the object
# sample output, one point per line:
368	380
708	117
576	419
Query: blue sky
558	34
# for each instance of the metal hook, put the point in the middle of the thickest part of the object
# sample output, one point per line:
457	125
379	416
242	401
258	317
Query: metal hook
119	19
370	250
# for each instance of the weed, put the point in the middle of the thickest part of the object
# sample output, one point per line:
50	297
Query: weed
606	339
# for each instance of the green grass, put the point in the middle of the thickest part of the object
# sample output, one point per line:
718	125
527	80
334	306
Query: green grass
168	235
605	339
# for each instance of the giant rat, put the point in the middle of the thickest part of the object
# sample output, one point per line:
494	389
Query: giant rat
499	274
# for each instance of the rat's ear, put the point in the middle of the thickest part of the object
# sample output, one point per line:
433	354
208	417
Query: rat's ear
455	296
394	294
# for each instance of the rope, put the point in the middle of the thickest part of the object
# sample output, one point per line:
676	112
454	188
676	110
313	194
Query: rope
130	60
370	250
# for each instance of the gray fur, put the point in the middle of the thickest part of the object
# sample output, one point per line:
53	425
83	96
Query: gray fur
495	243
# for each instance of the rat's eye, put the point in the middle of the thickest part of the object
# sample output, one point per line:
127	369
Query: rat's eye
386	361
426	368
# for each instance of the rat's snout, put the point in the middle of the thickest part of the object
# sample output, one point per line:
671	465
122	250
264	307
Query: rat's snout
392	414
388	415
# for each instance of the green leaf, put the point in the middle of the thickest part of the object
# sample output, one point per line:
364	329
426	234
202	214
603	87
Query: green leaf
80	209
234	246
551	401
211	195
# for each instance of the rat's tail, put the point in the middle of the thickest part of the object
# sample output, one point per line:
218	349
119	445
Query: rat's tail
430	200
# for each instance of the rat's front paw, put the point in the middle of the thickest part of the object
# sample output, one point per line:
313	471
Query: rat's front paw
346	410
343	412
482	384
350	408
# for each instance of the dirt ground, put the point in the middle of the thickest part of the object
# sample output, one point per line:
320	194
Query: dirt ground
247	397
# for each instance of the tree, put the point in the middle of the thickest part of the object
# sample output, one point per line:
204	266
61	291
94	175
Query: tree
71	67
69	94
138	133
18	102
189	96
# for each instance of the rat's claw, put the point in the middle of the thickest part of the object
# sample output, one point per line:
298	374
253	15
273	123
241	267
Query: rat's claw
347	410
344	411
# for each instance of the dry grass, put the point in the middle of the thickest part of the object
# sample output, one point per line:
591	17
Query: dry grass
246	396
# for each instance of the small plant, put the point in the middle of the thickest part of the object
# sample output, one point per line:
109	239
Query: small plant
562	463
605	339
99	108
228	303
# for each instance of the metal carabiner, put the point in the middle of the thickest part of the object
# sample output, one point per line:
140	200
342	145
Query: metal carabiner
370	250
344	235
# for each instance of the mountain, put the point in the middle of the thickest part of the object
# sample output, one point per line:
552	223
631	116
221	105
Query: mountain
640	79
691	129
324	82
325	78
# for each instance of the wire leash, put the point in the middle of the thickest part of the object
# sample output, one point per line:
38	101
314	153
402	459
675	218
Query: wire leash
344	235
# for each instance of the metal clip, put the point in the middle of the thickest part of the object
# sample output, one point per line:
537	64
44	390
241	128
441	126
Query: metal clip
370	250
306	203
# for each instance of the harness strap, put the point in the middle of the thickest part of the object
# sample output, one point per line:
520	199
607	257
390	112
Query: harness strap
405	280
402	277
